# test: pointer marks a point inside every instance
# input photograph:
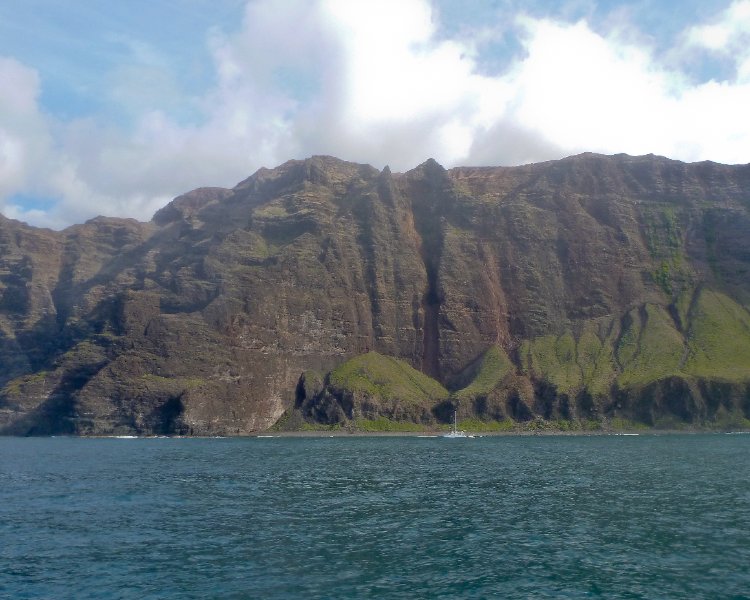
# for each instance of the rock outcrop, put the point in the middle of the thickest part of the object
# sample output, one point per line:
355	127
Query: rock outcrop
593	287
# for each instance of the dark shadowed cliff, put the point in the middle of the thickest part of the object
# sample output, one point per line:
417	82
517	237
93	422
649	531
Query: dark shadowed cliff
592	288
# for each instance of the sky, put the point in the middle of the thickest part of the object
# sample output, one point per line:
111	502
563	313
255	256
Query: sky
115	108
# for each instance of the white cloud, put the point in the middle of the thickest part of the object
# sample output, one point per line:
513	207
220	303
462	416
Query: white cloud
370	82
732	26
727	35
402	90
23	131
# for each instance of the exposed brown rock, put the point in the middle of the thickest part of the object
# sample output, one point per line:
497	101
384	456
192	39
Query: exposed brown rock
203	320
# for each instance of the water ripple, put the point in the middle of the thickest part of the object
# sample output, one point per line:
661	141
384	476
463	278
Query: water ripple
510	517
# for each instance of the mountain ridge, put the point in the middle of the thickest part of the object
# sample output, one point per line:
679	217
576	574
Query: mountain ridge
203	320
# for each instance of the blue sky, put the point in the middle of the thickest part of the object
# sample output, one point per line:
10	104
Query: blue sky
116	107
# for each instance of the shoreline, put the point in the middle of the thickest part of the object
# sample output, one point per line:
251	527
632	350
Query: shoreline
478	434
414	434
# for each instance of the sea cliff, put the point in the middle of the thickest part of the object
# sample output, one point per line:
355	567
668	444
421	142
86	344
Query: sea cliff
604	289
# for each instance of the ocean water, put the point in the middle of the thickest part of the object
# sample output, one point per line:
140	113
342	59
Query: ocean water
383	517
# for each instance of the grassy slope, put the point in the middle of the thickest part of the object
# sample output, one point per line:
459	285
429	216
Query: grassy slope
388	378
649	347
553	358
596	357
490	370
719	340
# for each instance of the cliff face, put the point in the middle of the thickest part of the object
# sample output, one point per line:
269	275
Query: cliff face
591	287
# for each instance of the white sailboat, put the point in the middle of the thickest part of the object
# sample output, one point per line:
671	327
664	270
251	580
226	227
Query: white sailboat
454	432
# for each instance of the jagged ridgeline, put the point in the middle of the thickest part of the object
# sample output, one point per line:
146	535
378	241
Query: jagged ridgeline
587	291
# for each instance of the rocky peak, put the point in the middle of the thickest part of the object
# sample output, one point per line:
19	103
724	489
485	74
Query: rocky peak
586	287
190	204
429	170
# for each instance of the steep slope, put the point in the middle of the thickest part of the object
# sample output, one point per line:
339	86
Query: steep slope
587	288
370	386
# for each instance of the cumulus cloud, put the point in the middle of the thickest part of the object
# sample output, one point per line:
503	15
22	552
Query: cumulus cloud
23	131
730	28
729	35
372	82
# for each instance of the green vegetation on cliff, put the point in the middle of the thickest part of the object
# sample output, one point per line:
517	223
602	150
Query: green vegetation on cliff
484	375
595	356
646	346
372	392
650	347
719	339
387	378
553	358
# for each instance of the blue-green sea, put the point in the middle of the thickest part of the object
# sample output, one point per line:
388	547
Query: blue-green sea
376	517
